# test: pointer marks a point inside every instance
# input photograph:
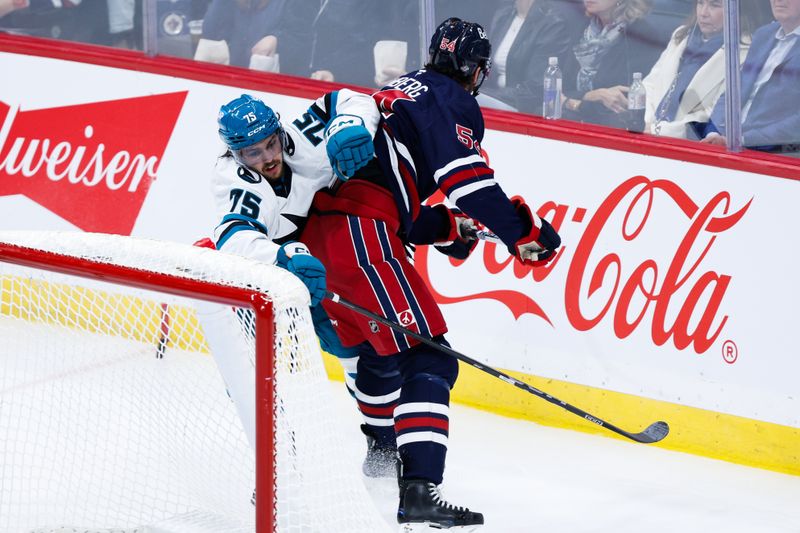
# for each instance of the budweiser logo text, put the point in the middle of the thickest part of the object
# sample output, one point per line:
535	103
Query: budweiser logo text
677	295
92	164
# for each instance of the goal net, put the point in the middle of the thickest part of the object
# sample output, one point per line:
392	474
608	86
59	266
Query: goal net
132	373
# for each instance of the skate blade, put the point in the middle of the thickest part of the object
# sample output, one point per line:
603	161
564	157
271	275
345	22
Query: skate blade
427	527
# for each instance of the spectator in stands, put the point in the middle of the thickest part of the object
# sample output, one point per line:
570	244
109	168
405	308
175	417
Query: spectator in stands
295	37
105	22
689	77
616	42
55	19
7	6
398	39
528	33
666	16
770	87
574	14
121	15
345	32
479	11
248	27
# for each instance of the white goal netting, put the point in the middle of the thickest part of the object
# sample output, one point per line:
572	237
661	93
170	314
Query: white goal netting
114	416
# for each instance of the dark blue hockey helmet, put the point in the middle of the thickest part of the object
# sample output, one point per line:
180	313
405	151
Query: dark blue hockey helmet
245	121
462	48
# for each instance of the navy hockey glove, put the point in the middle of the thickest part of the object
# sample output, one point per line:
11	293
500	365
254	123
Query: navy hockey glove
349	145
539	241
461	238
295	257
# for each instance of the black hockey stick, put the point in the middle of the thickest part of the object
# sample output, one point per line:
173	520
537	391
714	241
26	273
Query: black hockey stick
653	433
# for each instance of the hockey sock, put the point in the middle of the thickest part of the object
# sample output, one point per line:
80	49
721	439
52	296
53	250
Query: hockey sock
422	423
377	390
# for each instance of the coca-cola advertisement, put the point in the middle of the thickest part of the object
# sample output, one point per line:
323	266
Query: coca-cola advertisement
668	284
675	281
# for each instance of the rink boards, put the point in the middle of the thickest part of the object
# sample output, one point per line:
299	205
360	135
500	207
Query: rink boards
673	297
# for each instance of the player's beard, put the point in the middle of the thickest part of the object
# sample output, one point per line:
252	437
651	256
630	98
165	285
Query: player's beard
273	170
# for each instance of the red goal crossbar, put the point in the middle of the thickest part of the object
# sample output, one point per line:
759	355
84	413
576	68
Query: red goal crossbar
201	290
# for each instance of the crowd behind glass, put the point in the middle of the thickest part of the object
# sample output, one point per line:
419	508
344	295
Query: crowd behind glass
599	46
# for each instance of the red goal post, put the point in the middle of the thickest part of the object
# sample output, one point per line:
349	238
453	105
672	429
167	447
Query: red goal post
296	448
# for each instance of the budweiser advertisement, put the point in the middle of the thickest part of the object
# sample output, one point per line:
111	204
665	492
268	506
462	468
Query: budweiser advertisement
85	162
675	282
107	150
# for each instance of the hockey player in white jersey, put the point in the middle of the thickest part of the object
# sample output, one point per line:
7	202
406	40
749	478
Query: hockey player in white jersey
263	187
264	184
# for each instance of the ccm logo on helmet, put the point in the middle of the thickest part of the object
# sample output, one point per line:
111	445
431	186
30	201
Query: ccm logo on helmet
256	130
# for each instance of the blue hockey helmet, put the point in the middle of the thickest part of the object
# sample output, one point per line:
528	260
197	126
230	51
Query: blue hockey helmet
246	120
461	48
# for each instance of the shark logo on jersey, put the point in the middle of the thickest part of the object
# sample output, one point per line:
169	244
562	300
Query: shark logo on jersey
244	173
297	221
288	144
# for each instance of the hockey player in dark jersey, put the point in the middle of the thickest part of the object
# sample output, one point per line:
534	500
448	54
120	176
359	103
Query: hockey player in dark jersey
428	138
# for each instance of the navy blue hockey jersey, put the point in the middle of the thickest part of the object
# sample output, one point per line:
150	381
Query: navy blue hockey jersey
429	138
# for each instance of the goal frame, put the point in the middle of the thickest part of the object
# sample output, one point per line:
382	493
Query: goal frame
257	301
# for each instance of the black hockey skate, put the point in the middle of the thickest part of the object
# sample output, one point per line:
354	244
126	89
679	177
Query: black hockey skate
422	506
381	461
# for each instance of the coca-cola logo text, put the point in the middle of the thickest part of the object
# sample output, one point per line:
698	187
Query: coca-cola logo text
91	164
595	288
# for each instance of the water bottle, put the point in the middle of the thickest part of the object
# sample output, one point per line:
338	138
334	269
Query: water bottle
636	102
551	104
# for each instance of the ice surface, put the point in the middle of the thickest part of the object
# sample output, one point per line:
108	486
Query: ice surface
529	478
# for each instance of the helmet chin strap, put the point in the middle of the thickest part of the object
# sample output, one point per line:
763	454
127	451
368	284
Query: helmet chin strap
480	77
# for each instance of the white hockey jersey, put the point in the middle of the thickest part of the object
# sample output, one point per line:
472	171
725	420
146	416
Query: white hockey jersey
257	215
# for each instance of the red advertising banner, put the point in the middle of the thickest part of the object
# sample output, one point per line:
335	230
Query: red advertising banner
91	164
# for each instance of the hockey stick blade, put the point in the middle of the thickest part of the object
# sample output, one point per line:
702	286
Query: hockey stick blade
653	433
